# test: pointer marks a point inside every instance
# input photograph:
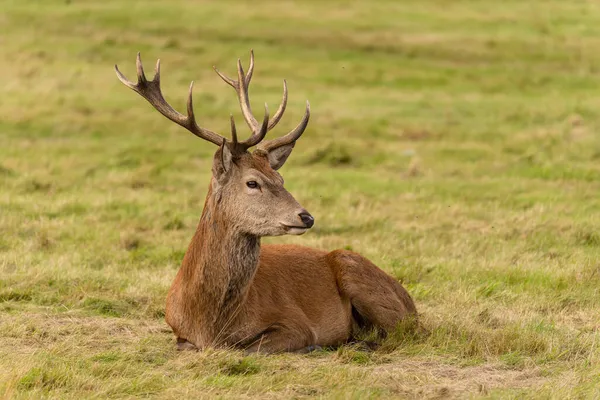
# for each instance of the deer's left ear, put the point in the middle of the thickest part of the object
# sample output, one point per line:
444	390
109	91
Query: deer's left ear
222	163
277	157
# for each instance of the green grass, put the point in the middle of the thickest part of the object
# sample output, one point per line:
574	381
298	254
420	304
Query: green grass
455	144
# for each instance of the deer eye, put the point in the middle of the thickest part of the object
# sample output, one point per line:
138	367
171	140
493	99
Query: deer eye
252	184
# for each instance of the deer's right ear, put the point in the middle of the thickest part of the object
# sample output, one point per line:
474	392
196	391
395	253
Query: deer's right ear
222	163
278	156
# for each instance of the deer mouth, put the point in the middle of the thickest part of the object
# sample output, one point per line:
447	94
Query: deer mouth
294	230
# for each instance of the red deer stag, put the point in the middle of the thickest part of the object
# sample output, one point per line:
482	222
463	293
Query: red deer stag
230	291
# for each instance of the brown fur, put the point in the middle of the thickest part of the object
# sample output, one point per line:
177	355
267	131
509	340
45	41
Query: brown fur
230	291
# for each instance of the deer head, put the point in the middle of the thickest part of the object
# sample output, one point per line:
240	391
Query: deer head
246	186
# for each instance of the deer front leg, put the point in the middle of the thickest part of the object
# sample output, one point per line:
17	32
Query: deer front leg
183	344
296	337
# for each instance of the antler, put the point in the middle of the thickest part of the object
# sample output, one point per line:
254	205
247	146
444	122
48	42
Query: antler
150	90
291	137
241	88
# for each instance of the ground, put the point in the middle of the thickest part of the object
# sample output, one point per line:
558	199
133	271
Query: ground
455	144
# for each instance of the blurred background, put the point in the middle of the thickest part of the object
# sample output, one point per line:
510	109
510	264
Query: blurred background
454	143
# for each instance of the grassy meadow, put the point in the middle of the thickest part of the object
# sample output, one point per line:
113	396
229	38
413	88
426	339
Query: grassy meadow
455	144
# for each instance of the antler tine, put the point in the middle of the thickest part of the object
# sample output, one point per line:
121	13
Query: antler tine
189	122
140	68
233	83
254	139
281	109
241	87
156	70
260	135
124	80
233	131
150	90
190	103
250	69
225	78
290	137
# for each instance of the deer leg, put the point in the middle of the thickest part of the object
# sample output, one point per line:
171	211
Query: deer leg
309	349
294	337
377	299
183	344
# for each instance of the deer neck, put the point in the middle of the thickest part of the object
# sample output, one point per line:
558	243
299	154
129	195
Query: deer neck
218	268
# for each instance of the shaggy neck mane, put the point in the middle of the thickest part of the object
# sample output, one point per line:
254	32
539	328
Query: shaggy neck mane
217	269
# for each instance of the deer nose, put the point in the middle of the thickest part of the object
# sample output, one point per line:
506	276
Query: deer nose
307	219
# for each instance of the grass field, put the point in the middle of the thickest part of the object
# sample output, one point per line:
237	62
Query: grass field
455	144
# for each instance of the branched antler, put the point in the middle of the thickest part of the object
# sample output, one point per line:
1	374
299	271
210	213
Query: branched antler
241	88
150	90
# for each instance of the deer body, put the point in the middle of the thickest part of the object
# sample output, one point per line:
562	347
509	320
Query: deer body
230	291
